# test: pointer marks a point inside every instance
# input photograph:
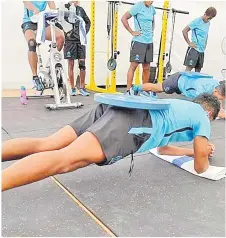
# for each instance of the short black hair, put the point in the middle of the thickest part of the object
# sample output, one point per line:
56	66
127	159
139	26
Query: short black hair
211	12
221	88
209	102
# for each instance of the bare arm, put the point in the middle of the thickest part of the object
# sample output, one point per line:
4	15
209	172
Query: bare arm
125	22
153	24
206	41
30	6
175	150
51	5
202	149
185	34
86	20
201	153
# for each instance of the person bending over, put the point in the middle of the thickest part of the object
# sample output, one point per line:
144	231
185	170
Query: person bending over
104	135
194	57
141	50
190	85
29	29
74	50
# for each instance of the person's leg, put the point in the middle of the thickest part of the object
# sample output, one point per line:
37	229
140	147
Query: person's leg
21	147
30	35
71	75
200	62
59	37
146	72
137	56
148	58
130	74
153	87
32	55
17	148
85	150
191	59
188	68
82	68
70	53
198	70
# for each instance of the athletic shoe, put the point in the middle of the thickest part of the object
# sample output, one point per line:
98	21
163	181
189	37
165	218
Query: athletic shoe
131	92
37	84
84	92
73	92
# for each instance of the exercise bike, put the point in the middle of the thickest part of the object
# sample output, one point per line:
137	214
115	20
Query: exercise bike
53	75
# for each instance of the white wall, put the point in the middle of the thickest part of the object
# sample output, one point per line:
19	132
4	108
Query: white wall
16	71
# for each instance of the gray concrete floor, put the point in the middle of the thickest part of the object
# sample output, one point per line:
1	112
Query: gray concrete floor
159	199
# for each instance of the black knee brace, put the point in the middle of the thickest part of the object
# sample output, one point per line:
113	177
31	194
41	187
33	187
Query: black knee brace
82	65
32	45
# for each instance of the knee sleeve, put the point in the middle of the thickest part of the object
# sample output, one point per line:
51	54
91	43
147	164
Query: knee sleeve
32	45
82	65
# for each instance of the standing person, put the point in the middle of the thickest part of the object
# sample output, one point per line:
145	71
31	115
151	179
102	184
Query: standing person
74	50
194	57
141	50
29	29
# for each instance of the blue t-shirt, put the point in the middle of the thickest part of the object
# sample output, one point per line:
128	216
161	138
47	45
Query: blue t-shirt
40	5
199	35
143	19
182	122
191	87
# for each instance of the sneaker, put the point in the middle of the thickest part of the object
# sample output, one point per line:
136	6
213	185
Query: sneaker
131	92
144	93
84	92
37	84
149	94
154	95
73	92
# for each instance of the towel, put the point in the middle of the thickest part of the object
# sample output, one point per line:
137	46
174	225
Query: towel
68	26
82	31
187	163
40	19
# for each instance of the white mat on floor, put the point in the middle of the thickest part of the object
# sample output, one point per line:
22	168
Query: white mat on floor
187	163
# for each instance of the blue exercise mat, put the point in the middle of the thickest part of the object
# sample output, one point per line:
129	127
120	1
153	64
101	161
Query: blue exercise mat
129	101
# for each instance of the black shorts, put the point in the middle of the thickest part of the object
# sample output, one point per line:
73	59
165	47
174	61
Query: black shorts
170	85
141	52
193	58
74	50
111	125
29	26
33	26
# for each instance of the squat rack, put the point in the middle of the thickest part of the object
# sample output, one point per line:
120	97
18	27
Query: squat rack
162	47
111	87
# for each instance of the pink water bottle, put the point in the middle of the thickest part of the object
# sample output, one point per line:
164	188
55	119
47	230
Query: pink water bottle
23	96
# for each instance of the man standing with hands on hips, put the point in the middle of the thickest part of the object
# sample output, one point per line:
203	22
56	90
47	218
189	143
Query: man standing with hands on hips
194	57
141	50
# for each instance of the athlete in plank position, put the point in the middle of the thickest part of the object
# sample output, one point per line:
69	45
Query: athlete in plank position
190	85
102	136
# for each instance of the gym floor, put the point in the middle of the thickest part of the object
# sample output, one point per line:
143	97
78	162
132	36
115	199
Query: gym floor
158	199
